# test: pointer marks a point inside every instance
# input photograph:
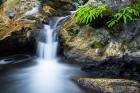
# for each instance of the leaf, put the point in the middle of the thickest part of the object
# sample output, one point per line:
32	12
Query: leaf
86	14
124	19
130	17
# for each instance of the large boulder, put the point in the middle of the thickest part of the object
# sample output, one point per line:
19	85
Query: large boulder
125	66
104	85
84	41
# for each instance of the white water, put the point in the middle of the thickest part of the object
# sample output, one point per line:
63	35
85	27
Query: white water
52	76
47	48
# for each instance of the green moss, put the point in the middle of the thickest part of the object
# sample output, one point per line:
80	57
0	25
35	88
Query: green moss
72	31
96	44
133	47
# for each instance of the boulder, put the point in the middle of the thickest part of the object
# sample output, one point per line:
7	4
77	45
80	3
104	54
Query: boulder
105	85
84	41
125	66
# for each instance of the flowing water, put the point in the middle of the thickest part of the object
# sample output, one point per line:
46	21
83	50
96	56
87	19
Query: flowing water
45	74
52	76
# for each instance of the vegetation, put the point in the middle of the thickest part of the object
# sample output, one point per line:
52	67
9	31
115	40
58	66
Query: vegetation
92	12
137	6
97	12
96	44
124	15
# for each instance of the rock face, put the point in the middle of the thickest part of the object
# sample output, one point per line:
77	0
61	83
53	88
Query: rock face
127	67
80	42
18	19
15	16
61	7
105	85
19	42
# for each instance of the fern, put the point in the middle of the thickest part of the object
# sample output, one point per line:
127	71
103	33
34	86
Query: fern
137	6
88	14
124	15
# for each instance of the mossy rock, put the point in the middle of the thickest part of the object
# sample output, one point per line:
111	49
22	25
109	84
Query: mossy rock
96	44
48	10
133	46
72	32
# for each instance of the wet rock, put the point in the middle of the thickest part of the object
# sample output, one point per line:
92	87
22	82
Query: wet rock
105	85
75	55
125	66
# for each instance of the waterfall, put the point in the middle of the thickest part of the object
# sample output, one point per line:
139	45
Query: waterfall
48	43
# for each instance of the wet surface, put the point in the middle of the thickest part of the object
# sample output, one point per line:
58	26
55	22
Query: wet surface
40	76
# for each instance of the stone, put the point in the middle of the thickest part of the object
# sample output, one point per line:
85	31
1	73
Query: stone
125	66
106	85
114	49
99	43
19	42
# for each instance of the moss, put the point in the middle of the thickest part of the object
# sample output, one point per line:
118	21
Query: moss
48	9
72	31
96	44
133	47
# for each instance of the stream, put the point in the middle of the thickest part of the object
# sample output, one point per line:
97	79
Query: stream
44	74
40	76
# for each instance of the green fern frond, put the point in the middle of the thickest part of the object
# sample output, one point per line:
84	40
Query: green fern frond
124	15
91	12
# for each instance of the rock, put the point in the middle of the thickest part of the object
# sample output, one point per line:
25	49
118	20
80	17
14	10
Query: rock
104	85
85	39
19	14
61	7
125	66
19	42
10	13
58	7
78	56
98	43
114	49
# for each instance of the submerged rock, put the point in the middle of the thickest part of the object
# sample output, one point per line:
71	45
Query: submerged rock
105	85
